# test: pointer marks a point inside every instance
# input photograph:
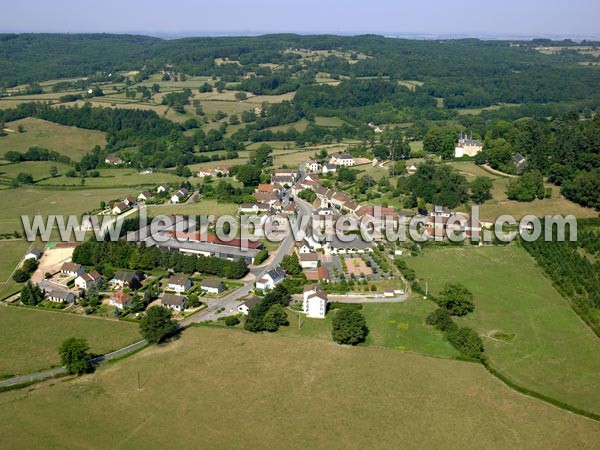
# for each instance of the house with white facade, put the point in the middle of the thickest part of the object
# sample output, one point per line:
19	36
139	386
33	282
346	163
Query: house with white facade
309	260
60	296
34	253
71	269
178	284
87	280
342	159
271	279
212	286
120	300
174	302
248	304
314	302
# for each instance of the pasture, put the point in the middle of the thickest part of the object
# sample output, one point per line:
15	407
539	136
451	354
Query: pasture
70	141
200	207
12	252
130	178
375	398
500	204
530	332
36	335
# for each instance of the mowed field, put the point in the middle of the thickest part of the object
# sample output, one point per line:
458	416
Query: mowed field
216	388
530	332
30	201
12	252
500	204
70	141
31	338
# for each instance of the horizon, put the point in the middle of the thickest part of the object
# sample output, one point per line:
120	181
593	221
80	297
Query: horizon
464	18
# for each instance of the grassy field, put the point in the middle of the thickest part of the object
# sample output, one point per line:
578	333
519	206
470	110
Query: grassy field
12	252
284	393
30	201
115	178
39	170
530	332
36	335
399	326
500	204
70	141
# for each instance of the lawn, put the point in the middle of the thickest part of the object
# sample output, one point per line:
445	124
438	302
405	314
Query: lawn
530	332
201	207
12	252
36	335
70	141
30	201
284	393
39	170
500	204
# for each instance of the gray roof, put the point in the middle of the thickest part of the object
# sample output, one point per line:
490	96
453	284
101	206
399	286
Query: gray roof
173	300
127	277
251	302
276	273
211	283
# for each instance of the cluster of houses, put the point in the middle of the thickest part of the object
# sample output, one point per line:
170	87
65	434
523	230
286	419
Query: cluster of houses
335	161
218	171
178	196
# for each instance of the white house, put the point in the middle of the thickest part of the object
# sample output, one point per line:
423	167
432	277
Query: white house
120	300
179	195
314	302
467	146
162	188
119	208
144	196
178	284
342	159
174	302
412	169
72	269
304	248
329	168
87	280
58	296
123	278
313	166
309	260
34	253
212	286
271	279
248	304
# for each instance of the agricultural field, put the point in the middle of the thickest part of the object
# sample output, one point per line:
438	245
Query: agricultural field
36	335
130	178
12	252
500	204
70	141
530	332
376	397
39	170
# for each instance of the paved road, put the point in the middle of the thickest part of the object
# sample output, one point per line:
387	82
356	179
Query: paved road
61	370
232	301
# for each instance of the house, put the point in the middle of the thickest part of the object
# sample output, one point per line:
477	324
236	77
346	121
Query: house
248	304
71	269
329	168
87	280
376	128
313	166
519	161
34	253
309	260
389	293
321	274
342	159
265	188
144	196
120	300
314	301
253	208
174	302
376	161
163	188
467	146
130	201
271	279
60	296
205	173
412	169
178	284
212	286
179	195
440	211
123	278
120	208
113	160
304	247
286	173
222	170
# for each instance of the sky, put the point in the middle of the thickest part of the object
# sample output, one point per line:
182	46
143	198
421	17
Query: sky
427	18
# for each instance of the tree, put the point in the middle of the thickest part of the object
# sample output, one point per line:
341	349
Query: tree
21	276
456	299
349	327
468	342
248	175
291	264
193	301
24	178
307	195
241	95
74	355
481	189
527	188
275	317
441	319
157	324
53	171
31	295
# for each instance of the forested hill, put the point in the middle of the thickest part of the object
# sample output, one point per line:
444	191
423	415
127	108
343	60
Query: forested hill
466	73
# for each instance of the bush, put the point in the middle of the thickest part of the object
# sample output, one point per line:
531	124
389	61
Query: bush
261	257
231	321
441	319
157	324
20	276
457	299
467	341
